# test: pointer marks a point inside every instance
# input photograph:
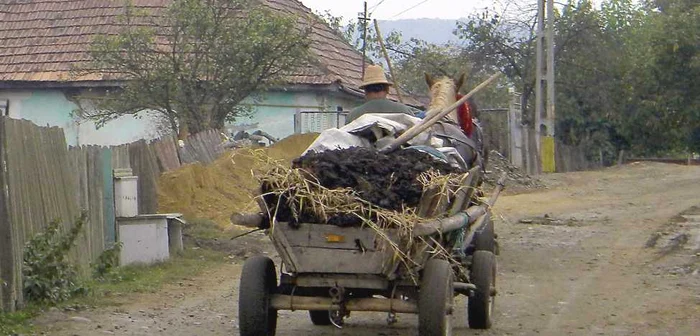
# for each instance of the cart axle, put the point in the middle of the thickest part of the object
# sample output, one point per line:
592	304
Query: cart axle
288	302
464	288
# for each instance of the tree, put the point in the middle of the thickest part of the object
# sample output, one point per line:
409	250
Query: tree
589	74
195	61
659	104
587	78
669	98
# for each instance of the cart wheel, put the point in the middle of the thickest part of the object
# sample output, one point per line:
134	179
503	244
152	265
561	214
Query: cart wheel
320	317
481	302
435	299
486	239
258	283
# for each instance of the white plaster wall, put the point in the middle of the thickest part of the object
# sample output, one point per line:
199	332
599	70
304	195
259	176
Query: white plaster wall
275	112
15	98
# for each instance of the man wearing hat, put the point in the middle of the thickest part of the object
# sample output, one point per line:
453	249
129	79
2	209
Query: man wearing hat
376	88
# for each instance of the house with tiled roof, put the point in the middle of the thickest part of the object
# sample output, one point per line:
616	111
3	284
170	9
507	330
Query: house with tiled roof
44	40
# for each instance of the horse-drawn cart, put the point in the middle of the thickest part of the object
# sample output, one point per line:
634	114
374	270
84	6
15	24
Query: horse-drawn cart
331	271
395	261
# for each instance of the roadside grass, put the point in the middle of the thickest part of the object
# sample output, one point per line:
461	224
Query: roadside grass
17	323
149	279
113	290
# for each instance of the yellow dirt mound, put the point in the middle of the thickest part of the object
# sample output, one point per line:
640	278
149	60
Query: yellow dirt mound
226	186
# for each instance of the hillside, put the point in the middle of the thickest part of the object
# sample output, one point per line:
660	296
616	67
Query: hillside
437	31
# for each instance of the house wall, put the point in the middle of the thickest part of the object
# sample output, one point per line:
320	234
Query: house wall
273	112
50	107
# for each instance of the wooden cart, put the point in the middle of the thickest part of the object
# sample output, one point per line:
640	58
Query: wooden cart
331	271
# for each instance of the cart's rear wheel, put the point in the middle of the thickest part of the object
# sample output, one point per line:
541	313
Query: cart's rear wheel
483	275
435	299
258	283
320	317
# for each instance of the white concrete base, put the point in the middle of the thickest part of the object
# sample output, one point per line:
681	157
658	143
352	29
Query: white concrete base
145	238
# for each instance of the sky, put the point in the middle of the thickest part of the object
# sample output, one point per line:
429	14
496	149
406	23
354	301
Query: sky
399	9
409	9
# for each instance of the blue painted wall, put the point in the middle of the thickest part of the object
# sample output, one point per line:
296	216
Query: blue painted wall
52	108
273	112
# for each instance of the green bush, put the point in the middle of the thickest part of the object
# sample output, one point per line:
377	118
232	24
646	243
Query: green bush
48	277
105	267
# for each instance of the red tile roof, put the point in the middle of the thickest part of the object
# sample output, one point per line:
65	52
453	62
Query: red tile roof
42	40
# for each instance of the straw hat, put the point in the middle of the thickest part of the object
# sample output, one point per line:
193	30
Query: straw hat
374	74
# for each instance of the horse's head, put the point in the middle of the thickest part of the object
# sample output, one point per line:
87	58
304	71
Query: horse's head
443	93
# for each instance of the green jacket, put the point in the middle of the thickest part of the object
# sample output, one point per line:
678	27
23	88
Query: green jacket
378	106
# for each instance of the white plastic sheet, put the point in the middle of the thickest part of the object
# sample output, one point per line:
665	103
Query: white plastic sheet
380	128
370	127
334	138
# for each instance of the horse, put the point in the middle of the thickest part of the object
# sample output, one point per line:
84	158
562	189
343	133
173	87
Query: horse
458	128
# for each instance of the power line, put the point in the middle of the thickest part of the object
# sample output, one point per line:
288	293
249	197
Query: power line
414	6
375	7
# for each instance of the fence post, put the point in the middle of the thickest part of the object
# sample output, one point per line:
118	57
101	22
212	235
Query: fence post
621	157
515	136
7	265
297	122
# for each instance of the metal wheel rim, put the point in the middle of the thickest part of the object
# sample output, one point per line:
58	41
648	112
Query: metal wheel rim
490	310
450	300
492	297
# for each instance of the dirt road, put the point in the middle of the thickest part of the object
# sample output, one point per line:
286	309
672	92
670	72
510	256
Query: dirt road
613	256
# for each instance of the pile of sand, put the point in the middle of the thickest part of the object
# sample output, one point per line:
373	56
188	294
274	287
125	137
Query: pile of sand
226	186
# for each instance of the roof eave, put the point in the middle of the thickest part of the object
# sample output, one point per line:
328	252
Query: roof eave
351	91
60	84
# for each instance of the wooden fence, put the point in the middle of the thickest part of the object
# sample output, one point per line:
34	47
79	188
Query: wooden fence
42	180
149	159
568	158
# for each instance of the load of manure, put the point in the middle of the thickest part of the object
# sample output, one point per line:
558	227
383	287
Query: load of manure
393	181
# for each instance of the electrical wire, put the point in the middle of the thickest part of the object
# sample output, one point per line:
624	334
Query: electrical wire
374	8
410	8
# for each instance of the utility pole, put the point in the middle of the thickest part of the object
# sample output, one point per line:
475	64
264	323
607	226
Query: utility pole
548	150
539	82
364	18
544	119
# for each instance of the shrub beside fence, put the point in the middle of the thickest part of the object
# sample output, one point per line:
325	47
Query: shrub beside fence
42	180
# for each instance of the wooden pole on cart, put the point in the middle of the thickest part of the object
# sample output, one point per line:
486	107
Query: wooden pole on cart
435	116
461	219
388	61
